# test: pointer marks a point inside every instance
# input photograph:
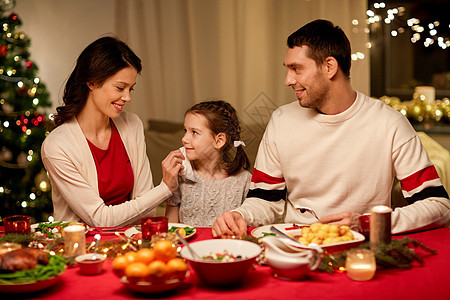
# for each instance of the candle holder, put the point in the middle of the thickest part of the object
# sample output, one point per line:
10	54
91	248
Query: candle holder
17	224
153	225
360	264
74	240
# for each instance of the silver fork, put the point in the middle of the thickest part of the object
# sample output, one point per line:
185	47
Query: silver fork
304	209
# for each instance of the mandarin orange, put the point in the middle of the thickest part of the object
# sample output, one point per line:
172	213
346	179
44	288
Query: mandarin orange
164	250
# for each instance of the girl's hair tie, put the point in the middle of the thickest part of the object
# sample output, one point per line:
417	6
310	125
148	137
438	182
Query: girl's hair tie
239	143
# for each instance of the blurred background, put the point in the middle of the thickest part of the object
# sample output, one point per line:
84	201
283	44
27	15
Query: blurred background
195	50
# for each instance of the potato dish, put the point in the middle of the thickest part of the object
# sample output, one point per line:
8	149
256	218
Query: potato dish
324	234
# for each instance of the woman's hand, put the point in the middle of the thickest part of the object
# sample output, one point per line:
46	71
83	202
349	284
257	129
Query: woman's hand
171	166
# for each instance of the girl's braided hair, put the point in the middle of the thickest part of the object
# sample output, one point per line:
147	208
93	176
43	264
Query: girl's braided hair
222	117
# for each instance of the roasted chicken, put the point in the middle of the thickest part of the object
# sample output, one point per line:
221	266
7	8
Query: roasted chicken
22	259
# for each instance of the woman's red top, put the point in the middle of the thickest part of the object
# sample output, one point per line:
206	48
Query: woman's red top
114	172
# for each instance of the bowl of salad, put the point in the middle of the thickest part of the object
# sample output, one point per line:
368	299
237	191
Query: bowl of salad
221	262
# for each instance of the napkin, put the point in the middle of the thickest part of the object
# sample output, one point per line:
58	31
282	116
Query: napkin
188	172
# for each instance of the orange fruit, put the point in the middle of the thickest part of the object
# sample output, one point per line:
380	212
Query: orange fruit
176	265
119	265
136	271
145	255
157	269
176	268
181	231
131	256
164	250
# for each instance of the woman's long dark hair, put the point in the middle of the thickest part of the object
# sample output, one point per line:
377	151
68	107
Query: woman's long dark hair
222	117
100	60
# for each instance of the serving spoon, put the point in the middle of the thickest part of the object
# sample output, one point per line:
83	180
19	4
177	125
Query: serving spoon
298	244
185	243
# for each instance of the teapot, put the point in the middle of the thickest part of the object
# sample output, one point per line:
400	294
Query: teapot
289	260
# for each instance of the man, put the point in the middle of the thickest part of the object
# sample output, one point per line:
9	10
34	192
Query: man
335	150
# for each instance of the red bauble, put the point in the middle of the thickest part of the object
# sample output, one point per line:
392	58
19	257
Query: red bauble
13	17
3	50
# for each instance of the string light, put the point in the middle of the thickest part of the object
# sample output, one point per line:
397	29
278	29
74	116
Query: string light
392	14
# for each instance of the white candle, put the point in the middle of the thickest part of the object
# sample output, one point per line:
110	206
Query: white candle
361	272
74	240
360	264
425	93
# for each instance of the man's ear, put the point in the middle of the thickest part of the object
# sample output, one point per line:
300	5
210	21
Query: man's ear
331	66
221	140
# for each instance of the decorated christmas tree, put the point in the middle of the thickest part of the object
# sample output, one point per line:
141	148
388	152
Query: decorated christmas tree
24	185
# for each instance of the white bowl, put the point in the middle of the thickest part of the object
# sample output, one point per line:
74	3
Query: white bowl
222	273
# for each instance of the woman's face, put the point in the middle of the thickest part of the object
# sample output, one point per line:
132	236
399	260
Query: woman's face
110	97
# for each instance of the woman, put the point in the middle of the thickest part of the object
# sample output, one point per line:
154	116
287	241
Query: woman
96	156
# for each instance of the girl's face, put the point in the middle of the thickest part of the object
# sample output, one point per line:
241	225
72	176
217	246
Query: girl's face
200	142
110	97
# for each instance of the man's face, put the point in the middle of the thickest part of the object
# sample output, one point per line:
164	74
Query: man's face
306	78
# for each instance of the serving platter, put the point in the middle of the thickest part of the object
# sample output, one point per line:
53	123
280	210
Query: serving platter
34	227
28	287
293	229
137	229
148	287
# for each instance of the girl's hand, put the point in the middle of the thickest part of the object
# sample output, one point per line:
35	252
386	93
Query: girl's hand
171	166
229	224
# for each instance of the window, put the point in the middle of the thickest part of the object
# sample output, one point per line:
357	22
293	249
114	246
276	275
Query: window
410	47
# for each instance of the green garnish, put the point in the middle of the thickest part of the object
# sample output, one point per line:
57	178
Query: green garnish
189	230
55	266
268	234
47	227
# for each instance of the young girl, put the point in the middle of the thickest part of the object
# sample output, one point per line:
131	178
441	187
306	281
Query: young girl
215	178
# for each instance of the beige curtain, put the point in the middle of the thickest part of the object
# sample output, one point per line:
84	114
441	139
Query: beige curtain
230	49
192	50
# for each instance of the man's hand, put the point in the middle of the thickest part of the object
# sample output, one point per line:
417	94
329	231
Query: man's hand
230	223
345	218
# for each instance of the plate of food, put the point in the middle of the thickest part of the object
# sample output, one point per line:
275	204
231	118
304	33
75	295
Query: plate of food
189	231
326	236
53	230
29	270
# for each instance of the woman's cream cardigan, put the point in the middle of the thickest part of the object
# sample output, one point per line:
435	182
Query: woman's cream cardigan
67	157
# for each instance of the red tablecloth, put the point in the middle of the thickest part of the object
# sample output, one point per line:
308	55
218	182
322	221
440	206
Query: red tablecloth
430	281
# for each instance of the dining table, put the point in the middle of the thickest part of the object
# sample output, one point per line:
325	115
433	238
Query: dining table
430	280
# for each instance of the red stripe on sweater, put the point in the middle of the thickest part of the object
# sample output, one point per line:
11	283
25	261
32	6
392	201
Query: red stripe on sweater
417	179
259	176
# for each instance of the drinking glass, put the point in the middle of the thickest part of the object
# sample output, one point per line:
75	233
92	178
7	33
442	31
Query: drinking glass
153	225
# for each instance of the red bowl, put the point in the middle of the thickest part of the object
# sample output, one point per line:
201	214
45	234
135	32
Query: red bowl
222	273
